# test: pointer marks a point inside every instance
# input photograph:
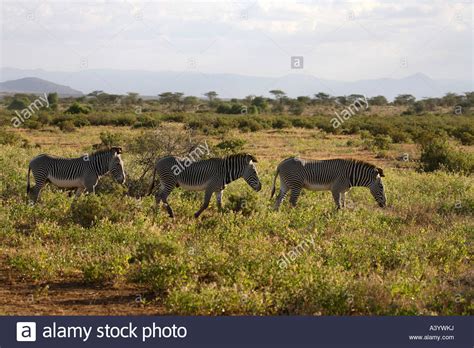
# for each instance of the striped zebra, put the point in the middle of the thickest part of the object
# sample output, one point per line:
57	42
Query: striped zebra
211	176
335	175
81	173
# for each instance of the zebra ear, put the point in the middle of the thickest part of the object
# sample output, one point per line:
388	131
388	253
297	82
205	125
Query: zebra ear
117	149
252	158
380	171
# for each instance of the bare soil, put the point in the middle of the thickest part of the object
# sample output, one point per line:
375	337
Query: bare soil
71	297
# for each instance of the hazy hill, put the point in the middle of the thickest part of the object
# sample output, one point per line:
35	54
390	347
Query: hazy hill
36	85
233	85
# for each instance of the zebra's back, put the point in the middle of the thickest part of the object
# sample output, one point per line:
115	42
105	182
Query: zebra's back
59	168
188	174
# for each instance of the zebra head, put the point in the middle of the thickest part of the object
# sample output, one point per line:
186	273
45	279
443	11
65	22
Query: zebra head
116	165
377	188
250	173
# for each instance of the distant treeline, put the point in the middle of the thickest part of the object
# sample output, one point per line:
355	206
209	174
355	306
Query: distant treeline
210	102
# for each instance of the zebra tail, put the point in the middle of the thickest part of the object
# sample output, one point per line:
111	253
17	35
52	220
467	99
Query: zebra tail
28	182
152	182
274	182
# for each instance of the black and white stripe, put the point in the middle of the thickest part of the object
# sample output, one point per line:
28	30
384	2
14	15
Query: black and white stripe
336	175
81	173
211	176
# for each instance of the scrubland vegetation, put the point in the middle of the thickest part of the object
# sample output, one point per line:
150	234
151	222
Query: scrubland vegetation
412	258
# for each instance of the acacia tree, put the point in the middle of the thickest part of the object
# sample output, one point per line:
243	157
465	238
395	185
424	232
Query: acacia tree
150	145
278	94
211	95
190	102
322	98
404	99
378	100
170	98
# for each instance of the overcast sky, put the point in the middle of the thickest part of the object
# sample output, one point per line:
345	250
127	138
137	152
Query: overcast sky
342	40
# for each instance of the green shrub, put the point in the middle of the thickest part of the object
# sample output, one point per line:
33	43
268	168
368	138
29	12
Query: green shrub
231	146
437	154
109	139
88	210
382	142
174	118
67	126
77	108
281	123
9	138
249	124
19	103
145	121
232	108
80	121
246	204
32	123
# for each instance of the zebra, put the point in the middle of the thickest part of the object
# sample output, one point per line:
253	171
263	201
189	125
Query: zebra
81	173
336	175
210	175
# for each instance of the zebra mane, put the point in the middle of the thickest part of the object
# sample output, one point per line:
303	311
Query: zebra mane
370	165
241	155
362	162
116	149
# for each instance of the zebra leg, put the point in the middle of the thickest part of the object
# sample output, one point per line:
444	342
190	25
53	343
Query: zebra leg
90	183
163	196
36	190
295	193
219	199
342	199
281	195
337	198
79	191
205	204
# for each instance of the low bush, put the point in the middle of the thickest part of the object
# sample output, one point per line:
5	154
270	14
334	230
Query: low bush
9	138
88	210
77	108
67	126
438	154
231	145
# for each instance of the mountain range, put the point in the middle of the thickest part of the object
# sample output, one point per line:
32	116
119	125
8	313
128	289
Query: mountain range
151	83
36	85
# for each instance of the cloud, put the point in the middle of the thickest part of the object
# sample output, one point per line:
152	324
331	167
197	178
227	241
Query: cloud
339	39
